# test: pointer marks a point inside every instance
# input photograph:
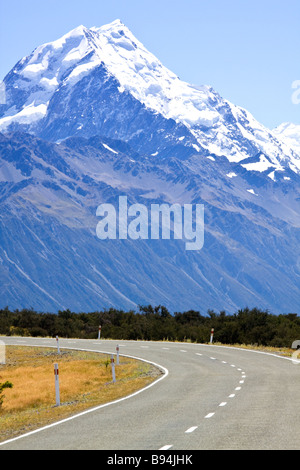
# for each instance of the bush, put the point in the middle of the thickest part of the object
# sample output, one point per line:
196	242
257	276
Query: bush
2	387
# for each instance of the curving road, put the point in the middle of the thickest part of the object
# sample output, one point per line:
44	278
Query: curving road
210	397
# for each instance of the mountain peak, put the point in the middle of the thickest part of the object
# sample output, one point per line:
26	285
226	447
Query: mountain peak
116	28
116	23
217	126
78	32
110	26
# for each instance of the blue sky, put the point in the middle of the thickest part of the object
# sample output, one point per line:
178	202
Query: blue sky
247	50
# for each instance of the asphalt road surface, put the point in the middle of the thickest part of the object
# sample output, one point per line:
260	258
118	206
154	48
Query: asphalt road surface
209	397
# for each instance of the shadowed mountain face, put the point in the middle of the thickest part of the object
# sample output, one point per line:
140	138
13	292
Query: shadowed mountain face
51	257
94	116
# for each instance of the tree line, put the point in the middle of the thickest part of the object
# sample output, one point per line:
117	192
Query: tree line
246	326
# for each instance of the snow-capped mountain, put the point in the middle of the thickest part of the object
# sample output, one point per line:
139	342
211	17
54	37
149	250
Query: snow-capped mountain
94	115
68	86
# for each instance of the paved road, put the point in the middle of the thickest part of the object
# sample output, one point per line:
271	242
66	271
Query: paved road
211	398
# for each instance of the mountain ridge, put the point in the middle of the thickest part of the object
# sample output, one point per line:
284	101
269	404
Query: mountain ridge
50	255
112	56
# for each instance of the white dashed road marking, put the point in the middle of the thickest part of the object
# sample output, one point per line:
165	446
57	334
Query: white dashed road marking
222	404
191	429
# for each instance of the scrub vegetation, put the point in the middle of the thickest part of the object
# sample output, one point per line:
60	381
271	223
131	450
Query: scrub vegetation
246	326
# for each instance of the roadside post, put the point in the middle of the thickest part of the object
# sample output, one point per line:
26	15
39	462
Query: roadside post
2	353
118	358
99	332
212	335
57	395
113	368
57	342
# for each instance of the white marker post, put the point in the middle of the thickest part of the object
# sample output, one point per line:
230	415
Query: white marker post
113	368
2	353
211	335
118	359
57	396
99	332
57	342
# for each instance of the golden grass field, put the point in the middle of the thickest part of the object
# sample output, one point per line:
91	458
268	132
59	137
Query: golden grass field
85	381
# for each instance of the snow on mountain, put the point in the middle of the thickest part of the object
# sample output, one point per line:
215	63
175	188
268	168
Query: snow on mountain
290	134
56	69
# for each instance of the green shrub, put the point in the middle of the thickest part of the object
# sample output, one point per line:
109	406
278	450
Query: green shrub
2	387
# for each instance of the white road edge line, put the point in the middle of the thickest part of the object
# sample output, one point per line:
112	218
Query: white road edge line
245	350
96	408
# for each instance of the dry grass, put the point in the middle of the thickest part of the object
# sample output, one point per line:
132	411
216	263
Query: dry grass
85	381
287	352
